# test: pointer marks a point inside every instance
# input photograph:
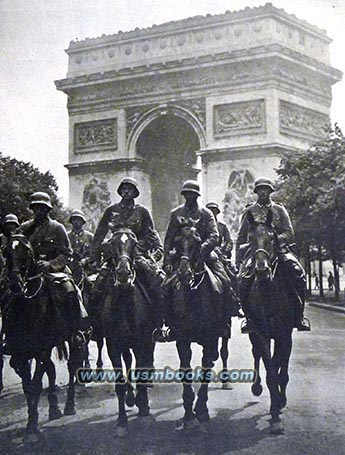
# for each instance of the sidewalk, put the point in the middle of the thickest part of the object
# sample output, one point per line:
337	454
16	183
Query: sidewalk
328	303
327	306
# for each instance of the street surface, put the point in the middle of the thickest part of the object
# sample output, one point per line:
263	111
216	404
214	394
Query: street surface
314	418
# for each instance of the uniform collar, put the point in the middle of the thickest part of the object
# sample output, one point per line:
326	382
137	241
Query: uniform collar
80	233
268	205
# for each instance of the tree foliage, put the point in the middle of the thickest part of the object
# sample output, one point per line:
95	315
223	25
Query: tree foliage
312	186
18	180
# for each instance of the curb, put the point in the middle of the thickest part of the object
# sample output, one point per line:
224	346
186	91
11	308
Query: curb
325	306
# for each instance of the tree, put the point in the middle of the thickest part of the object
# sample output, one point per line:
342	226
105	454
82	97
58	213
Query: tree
18	180
312	185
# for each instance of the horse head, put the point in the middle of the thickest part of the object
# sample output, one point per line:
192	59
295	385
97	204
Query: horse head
19	261
262	244
187	243
122	250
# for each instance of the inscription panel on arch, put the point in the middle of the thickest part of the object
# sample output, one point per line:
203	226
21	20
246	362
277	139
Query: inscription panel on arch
240	118
95	135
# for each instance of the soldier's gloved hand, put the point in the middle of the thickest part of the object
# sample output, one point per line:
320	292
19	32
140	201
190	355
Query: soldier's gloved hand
168	268
43	266
157	255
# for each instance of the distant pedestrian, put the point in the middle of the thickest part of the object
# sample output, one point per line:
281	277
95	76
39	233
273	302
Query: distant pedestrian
330	280
316	278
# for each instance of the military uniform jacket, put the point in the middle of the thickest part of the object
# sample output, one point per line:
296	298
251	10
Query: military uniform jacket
136	217
206	227
49	241
225	240
81	243
281	222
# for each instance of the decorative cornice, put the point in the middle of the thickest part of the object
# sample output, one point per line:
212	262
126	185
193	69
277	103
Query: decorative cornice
197	22
214	155
196	62
106	166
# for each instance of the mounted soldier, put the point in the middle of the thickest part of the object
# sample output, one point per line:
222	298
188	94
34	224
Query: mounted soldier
10	225
285	238
81	241
224	251
205	223
52	251
127	214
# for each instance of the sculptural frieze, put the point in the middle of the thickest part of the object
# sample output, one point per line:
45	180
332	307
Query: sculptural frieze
245	117
96	198
95	134
297	119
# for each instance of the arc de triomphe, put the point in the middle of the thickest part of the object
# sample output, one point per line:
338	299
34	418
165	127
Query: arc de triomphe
216	97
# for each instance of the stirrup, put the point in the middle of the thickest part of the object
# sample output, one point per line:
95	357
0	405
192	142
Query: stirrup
304	325
247	326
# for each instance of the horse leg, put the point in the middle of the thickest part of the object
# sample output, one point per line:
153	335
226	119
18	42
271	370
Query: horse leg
272	384
54	410
144	364
120	387
74	362
210	355
224	354
1	371
185	354
128	359
284	349
32	389
256	351
100	344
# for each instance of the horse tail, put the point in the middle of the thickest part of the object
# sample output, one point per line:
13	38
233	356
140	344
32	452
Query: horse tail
62	351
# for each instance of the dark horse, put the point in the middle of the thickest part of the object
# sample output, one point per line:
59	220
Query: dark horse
33	324
127	323
267	298
196	313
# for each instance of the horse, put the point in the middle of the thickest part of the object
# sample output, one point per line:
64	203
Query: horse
267	299
33	324
196	312
127	323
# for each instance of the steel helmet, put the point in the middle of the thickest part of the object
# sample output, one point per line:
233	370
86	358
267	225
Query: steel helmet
11	218
263	181
40	198
131	181
191	186
213	205
77	214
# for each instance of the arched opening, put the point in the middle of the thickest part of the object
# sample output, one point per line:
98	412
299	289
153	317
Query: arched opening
168	143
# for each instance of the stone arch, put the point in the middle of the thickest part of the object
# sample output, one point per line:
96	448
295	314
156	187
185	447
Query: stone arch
153	114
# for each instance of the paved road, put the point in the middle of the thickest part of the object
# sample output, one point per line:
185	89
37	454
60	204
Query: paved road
314	419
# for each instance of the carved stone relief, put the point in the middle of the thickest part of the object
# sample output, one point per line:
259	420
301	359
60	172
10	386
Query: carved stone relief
297	119
246	117
99	133
237	196
96	198
209	77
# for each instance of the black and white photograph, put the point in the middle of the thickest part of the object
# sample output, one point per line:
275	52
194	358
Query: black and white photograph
172	227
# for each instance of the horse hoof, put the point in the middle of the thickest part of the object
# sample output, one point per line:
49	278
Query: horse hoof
121	432
32	436
226	386
257	389
276	428
203	417
70	410
191	424
130	400
144	411
54	413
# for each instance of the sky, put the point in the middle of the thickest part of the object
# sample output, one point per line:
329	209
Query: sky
35	33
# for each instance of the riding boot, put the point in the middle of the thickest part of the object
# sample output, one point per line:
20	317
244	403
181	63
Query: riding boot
301	323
